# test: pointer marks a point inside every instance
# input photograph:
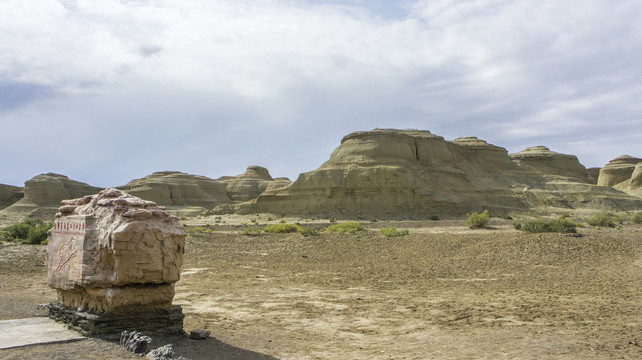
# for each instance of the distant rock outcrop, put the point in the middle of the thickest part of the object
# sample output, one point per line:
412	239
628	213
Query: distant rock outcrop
192	194
177	190
546	162
251	184
9	195
415	174
43	194
617	170
633	184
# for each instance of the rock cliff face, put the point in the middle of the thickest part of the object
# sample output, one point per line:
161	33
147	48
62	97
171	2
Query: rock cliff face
9	195
251	184
176	190
593	174
43	193
415	174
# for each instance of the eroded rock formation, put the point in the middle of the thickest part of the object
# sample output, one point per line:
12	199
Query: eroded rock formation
118	255
623	173
546	162
177	190
43	193
617	170
251	184
415	174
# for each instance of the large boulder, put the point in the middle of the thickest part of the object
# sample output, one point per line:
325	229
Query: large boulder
43	194
114	260
176	190
618	170
252	183
386	173
10	195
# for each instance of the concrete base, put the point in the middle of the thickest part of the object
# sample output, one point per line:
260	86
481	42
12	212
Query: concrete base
164	321
32	331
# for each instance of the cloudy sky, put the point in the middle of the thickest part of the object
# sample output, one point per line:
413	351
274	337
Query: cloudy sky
111	90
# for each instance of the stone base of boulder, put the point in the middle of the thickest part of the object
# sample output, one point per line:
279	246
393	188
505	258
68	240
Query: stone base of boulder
162	321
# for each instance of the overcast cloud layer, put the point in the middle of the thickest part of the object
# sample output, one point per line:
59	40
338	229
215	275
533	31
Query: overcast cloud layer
108	91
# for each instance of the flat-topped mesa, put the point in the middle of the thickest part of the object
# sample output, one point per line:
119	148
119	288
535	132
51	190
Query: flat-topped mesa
546	162
43	193
617	170
114	259
175	190
253	182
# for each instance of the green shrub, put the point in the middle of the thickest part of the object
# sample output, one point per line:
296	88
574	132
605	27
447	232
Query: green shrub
30	231
392	232
251	232
434	218
601	219
517	225
282	228
308	232
346	227
478	221
637	218
561	225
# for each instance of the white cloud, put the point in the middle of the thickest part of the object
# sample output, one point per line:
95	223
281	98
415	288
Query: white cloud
288	78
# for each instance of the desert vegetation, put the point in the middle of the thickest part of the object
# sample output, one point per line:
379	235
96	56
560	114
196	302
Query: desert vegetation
29	231
478	220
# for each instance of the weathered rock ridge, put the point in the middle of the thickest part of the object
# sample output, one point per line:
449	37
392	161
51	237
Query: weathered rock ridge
414	174
43	193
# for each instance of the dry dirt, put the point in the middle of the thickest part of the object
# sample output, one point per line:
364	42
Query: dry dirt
442	292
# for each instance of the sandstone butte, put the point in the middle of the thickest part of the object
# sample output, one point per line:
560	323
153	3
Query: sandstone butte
414	174
383	173
623	173
43	194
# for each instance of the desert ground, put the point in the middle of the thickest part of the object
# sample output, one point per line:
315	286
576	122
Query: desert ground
442	292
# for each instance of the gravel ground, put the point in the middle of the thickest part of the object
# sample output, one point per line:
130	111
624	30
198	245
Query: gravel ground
442	292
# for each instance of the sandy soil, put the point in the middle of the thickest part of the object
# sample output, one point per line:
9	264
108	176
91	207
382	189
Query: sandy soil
442	292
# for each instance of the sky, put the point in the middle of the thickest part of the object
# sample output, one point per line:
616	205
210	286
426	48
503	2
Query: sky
109	91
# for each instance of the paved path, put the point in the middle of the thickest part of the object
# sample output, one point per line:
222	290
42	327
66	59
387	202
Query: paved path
36	330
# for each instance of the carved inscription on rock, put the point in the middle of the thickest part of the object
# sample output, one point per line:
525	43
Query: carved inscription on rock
65	252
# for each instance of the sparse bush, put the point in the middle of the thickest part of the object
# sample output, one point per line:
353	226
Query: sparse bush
346	227
392	232
561	225
637	218
282	228
434	218
601	219
30	231
517	225
478	221
193	230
